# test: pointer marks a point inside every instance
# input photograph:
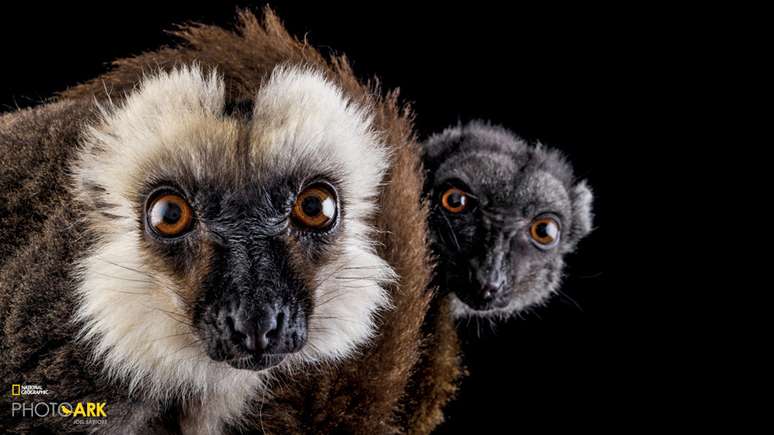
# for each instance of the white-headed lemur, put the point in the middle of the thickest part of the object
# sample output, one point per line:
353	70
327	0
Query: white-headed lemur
230	240
220	242
503	216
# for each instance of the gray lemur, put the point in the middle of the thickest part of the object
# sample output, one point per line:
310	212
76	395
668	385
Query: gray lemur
503	216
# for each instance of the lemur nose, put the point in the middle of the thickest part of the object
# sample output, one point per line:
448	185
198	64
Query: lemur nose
490	290
268	331
491	283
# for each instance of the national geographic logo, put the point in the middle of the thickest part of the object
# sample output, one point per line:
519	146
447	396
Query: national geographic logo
80	412
28	390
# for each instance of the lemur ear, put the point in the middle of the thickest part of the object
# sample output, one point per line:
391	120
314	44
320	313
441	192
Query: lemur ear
582	214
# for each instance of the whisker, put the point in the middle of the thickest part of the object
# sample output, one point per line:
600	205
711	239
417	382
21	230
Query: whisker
123	279
340	292
127	292
329	276
343	278
451	231
574	302
125	267
334	318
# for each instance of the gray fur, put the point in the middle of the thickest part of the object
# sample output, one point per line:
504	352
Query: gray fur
510	183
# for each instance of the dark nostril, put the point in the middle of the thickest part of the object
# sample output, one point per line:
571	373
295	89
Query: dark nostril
489	291
237	336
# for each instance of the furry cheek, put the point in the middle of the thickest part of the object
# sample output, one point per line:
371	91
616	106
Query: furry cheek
350	292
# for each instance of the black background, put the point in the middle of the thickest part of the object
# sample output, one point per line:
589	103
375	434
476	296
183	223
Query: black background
575	79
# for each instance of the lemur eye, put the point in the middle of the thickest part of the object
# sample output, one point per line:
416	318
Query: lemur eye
545	232
169	215
315	207
454	200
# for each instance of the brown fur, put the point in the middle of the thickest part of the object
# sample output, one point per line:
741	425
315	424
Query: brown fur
398	384
41	237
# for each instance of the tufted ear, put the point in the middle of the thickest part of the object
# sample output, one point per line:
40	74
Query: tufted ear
582	215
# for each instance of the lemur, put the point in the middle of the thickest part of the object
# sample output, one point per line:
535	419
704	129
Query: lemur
222	236
503	216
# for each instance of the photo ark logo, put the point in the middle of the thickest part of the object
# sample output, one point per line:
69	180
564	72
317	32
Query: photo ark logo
81	412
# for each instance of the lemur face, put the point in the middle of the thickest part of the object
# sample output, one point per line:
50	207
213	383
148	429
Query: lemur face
503	216
248	255
229	242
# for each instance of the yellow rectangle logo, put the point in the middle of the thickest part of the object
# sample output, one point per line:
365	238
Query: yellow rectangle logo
15	389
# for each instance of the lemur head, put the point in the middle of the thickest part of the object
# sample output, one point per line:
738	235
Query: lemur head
503	216
229	243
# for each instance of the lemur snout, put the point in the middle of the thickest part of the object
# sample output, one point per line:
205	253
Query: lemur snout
487	289
256	335
490	280
488	277
268	331
489	292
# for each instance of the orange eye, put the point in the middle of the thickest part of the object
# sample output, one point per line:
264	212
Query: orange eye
545	232
454	200
170	215
315	207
